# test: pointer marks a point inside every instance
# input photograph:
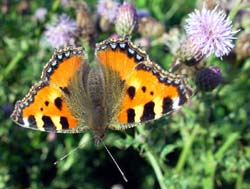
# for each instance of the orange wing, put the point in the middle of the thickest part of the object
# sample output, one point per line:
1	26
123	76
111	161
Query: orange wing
151	93
44	107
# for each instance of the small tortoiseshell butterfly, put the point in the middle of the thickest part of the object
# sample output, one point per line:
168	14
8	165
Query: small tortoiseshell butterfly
121	89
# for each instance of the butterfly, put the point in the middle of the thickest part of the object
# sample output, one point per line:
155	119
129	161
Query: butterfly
121	88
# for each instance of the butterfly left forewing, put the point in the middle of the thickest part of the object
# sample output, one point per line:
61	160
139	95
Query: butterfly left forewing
45	106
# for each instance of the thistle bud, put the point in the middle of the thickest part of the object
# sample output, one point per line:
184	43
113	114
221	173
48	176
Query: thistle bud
40	14
208	79
126	19
107	10
143	42
189	53
242	48
23	7
150	27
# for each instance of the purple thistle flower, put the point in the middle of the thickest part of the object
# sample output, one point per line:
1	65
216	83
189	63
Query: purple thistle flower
40	14
62	32
114	36
7	109
210	31
208	79
107	9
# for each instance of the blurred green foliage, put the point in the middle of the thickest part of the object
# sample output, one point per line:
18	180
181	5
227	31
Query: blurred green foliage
205	145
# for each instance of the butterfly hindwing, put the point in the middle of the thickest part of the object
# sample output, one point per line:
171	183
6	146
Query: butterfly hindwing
44	107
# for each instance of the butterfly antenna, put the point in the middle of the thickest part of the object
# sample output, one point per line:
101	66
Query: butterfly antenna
72	151
119	169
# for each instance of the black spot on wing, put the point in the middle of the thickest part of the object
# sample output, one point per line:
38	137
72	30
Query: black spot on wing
148	111
131	115
167	105
64	122
48	124
46	103
32	121
131	92
58	103
143	89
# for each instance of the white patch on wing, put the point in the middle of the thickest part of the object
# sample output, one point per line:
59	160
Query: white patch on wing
26	123
176	103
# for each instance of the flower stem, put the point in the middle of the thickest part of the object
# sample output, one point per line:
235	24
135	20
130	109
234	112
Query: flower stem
230	140
239	180
12	65
154	162
186	149
210	167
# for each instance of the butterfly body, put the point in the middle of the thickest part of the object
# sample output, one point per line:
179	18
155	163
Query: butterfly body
95	87
119	90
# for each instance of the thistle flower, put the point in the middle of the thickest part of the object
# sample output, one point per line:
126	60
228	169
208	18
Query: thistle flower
126	20
107	9
150	27
210	31
40	14
62	32
7	109
84	21
208	79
